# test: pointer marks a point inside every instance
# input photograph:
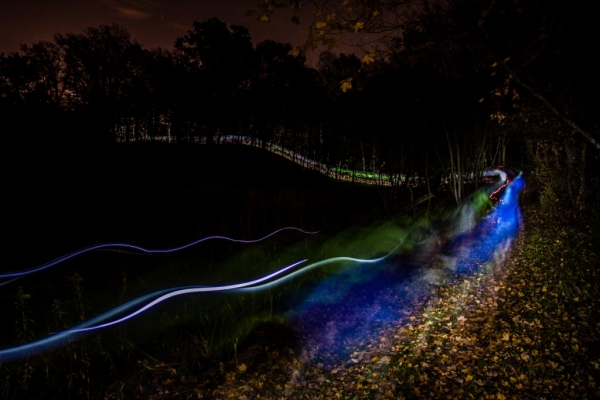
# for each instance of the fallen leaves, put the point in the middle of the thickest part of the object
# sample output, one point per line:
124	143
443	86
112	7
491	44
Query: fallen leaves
524	328
507	332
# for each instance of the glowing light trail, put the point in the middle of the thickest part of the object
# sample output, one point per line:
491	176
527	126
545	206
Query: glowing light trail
481	244
364	177
98	322
493	172
495	192
494	234
155	298
249	284
112	246
341	312
180	292
321	263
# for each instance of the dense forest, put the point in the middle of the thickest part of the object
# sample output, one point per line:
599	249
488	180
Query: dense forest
448	88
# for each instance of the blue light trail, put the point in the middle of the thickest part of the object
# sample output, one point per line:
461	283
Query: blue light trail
141	250
153	299
98	322
483	242
345	309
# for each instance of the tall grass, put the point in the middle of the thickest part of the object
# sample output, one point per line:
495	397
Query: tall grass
194	331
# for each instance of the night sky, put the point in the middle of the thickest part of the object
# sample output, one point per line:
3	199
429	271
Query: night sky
152	23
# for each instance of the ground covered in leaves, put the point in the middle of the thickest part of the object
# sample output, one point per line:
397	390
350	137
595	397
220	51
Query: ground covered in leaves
525	327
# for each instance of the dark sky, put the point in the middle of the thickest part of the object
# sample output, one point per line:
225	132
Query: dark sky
152	23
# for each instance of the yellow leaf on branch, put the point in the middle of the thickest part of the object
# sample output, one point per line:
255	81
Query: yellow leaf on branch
369	58
358	26
346	84
295	51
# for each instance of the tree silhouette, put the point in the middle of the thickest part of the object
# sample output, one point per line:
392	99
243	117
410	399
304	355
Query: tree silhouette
223	57
101	67
285	95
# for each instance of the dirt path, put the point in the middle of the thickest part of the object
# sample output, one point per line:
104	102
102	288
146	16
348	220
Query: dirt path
525	328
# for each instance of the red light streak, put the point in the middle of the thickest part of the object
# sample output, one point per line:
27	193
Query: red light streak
494	193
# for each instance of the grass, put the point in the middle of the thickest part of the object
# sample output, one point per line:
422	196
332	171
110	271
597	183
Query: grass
185	335
194	339
524	327
194	331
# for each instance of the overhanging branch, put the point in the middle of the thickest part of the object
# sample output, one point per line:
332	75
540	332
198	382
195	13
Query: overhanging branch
550	106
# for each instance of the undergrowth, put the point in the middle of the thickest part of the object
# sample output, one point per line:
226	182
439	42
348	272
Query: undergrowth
182	336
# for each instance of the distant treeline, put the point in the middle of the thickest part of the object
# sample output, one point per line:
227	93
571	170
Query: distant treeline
429	103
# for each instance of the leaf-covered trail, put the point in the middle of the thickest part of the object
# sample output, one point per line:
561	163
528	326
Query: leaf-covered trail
526	327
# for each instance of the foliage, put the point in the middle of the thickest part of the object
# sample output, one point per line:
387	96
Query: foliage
451	87
186	335
524	327
528	64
